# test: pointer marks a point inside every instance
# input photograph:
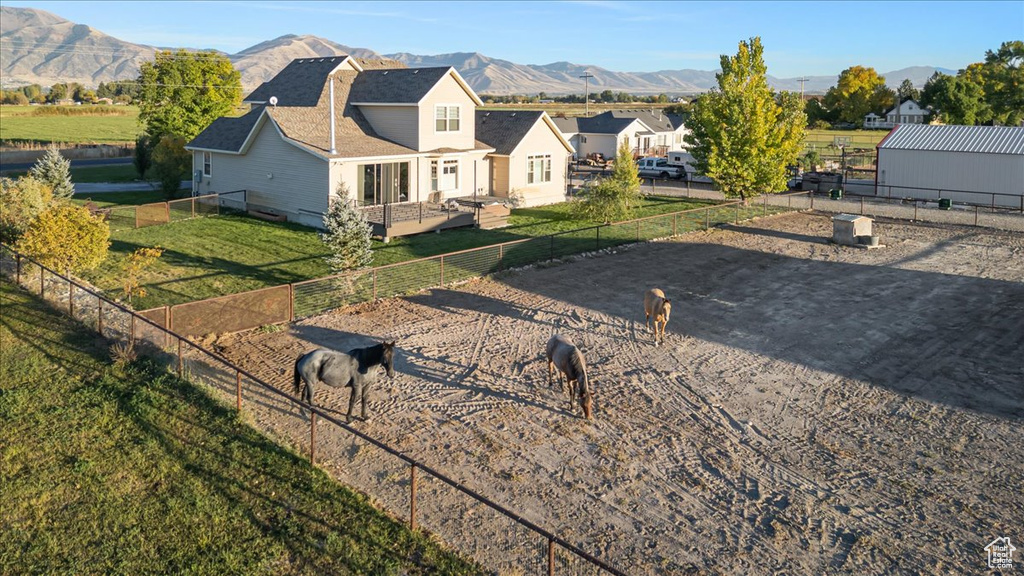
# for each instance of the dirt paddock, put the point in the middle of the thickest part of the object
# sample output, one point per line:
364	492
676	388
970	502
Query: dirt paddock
815	409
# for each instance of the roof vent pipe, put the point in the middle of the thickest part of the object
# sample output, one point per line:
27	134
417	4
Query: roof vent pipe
331	96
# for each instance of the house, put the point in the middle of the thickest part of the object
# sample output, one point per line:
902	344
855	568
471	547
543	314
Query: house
530	158
391	135
974	164
648	132
908	112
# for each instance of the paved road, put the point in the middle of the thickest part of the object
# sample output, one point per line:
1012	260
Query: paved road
23	166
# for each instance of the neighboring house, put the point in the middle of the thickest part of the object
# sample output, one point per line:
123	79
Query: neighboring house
976	164
530	155
648	133
908	112
391	135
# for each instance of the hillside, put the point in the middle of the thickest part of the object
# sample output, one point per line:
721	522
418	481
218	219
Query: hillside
40	47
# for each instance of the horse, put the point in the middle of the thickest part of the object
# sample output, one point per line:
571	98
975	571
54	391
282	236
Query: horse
569	360
356	370
656	305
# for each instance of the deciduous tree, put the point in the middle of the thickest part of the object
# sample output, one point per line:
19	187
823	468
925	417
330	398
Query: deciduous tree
55	170
171	163
66	238
743	134
1003	73
348	234
22	200
133	266
182	92
955	99
857	92
907	91
143	157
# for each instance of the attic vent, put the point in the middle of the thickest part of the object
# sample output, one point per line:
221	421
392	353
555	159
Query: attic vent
513	114
321	59
385	73
415	71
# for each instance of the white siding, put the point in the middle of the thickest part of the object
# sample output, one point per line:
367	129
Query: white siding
276	175
397	123
606	144
984	173
540	140
447	92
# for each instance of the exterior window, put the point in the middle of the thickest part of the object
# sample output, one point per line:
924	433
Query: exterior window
207	164
538	169
446	118
662	140
583	139
445	176
383	183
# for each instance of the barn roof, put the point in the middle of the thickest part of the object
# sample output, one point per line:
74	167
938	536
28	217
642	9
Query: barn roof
976	139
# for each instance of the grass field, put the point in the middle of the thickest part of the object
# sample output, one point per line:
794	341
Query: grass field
824	139
126	469
88	174
207	257
23	124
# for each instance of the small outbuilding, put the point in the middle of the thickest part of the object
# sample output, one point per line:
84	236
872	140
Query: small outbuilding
850	229
970	164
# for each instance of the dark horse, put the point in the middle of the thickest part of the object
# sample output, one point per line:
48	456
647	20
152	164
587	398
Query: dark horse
356	370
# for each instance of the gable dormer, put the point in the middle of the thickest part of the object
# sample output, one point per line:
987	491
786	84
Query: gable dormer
423	108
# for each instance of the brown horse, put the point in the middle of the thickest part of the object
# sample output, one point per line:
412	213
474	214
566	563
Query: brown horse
569	360
656	305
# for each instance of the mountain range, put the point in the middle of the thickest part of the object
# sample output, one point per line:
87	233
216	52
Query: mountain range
43	48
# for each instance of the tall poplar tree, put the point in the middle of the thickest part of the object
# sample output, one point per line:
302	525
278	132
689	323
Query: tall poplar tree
743	134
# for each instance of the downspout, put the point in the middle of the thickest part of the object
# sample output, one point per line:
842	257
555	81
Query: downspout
330	79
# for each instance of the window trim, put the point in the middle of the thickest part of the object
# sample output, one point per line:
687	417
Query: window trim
437	174
207	163
448	119
545	169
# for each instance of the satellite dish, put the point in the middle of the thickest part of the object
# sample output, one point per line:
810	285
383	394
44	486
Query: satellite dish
273	100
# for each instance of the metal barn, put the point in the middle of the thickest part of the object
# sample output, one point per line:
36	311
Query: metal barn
981	165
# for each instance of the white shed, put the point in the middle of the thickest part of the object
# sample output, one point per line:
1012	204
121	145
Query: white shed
973	164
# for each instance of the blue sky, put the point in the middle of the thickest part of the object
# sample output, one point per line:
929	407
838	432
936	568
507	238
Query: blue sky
800	38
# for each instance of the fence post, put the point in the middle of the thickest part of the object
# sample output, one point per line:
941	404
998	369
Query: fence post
193	206
551	557
975	214
136	210
71	299
412	497
167	326
552	247
238	390
790	198
812	199
861	205
167	211
915	209
17	268
501	254
707	219
736	219
99	315
675	224
637	230
442	271
291	302
598	237
374	283
131	330
42	283
179	358
312	437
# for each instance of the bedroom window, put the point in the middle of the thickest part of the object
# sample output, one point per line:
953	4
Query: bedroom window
538	169
446	118
207	164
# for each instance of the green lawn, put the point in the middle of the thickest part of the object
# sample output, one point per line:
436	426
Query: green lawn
121	198
127	469
90	174
23	124
207	257
824	139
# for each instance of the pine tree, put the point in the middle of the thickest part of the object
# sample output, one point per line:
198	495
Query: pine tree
348	234
54	169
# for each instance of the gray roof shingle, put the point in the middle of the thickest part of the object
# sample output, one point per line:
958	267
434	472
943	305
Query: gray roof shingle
300	83
978	139
227	134
395	86
504	130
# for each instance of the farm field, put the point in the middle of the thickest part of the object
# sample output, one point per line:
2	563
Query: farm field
129	470
230	253
815	409
25	124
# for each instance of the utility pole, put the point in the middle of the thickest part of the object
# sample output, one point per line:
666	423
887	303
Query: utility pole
801	81
586	98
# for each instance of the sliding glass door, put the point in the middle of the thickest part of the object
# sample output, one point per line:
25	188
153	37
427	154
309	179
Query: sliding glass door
383	183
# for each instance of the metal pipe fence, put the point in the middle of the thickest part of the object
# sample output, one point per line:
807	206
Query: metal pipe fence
157	213
424	497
